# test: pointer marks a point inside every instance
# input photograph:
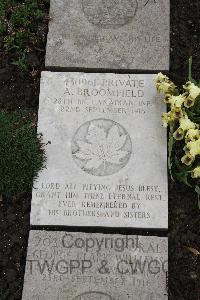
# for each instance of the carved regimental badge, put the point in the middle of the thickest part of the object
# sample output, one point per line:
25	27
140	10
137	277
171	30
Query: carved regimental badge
94	296
109	13
101	147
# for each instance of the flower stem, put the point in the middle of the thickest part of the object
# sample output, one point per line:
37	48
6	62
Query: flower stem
170	149
190	68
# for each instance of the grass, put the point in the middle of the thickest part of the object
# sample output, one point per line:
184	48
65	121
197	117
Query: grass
22	153
19	21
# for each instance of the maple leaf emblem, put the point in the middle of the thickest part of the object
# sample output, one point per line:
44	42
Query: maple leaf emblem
101	147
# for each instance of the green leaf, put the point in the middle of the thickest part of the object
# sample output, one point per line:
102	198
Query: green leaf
190	71
21	62
194	112
183	172
183	178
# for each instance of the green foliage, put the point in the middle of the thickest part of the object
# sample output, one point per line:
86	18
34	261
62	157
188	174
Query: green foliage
27	14
3	295
194	112
3	28
3	6
22	19
182	172
17	41
21	62
22	153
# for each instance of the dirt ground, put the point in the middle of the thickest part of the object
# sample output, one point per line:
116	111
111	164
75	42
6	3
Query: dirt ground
21	89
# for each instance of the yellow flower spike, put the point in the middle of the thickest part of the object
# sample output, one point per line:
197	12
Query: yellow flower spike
192	135
193	148
196	172
178	134
186	123
189	102
187	159
192	89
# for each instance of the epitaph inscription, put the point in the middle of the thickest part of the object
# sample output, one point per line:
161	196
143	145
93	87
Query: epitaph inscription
94	295
109	34
81	266
106	152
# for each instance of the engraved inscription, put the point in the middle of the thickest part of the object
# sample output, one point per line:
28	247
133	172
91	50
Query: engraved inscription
153	296
93	295
109	13
101	147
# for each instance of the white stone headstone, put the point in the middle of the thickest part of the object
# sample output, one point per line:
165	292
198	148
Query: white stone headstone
83	266
106	152
111	34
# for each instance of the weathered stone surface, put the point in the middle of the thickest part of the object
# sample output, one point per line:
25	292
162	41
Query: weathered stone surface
106	152
112	34
82	266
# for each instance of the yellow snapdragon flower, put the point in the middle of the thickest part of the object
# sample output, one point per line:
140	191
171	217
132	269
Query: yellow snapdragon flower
168	98
177	113
177	101
196	172
192	92
173	115
163	84
189	102
192	89
185	124
166	118
179	134
192	135
187	159
161	77
193	148
164	87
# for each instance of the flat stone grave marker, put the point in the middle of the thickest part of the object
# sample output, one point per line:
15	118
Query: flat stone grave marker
106	152
111	34
90	266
